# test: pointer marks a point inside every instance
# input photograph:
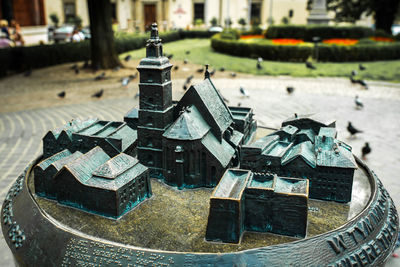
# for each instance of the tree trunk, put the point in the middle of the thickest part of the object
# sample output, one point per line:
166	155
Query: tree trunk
385	12
103	53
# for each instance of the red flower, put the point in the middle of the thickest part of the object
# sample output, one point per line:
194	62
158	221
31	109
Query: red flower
245	37
340	41
287	41
381	39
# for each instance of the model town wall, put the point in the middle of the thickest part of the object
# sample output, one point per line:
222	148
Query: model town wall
192	143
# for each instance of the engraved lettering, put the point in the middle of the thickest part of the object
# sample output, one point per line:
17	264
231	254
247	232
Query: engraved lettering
337	244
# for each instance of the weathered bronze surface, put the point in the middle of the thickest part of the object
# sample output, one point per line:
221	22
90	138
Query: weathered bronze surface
37	237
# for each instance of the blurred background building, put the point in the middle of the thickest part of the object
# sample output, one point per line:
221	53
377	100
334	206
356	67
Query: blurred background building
137	15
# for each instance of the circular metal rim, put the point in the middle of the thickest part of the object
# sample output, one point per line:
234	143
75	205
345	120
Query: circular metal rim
202	258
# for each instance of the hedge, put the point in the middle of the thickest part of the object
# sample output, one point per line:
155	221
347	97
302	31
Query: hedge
300	53
307	32
17	59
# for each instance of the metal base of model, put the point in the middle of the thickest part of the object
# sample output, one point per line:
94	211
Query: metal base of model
37	239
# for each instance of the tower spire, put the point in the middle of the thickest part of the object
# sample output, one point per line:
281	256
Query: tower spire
154	45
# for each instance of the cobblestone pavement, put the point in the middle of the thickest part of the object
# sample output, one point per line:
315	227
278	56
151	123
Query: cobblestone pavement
21	132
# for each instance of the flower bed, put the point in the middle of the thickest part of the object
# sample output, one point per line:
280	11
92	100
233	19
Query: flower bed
341	41
287	41
381	39
254	36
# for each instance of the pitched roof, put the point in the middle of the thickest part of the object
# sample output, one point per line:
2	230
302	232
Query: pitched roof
74	126
189	126
304	150
83	167
309	121
48	161
222	151
210	104
64	161
331	153
116	172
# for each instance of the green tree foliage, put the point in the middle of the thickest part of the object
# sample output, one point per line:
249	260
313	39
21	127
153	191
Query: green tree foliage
384	11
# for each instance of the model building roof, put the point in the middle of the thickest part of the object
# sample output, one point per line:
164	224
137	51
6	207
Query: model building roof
222	151
92	160
311	121
291	186
232	184
65	160
125	134
304	150
72	126
189	126
210	104
47	162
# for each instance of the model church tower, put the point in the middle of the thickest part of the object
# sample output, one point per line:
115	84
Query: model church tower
155	104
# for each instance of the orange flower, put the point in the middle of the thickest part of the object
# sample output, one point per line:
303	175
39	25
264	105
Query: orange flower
381	39
340	41
245	37
287	41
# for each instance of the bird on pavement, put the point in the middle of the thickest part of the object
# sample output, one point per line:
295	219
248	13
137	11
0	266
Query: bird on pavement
352	130
359	104
61	94
98	94
100	77
243	92
222	69
136	95
212	72
310	66
200	70
170	56
233	74
366	149
176	67
361	67
362	83
185	61
290	89
127	58
353	73
125	81
189	79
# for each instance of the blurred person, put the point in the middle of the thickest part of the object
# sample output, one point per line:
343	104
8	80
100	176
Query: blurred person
77	36
5	29
16	35
4	41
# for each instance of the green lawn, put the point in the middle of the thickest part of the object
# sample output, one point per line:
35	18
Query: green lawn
202	53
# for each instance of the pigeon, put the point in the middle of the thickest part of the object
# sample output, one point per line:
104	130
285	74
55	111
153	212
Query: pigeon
310	66
127	58
233	74
98	94
28	73
133	76
212	72
100	77
222	69
185	61
185	86
359	104
137	95
290	89
200	70
170	56
76	71
61	94
125	81
352	80
73	67
187	52
85	64
259	67
188	79
243	92
176	67
239	104
363	83
117	68
353	73
353	131
365	150
361	67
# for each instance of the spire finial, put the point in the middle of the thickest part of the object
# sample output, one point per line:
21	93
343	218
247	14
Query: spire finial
206	73
154	31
